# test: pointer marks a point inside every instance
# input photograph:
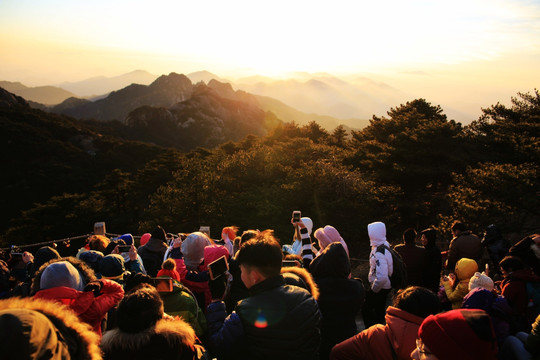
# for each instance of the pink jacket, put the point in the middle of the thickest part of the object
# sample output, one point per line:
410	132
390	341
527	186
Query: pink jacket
88	308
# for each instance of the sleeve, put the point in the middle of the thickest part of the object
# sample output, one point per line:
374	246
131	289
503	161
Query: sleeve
135	266
307	251
452	256
112	293
351	349
225	333
533	341
381	272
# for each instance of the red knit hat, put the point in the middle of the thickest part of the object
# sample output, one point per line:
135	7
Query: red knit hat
170	273
459	334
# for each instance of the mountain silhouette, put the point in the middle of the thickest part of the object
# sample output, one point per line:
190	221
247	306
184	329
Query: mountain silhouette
47	95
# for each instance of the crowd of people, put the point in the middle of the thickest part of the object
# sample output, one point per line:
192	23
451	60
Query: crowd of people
248	296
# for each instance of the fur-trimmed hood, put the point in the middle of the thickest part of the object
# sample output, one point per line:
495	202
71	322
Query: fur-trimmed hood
300	277
77	337
171	338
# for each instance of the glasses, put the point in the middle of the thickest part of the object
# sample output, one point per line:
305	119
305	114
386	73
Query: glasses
421	348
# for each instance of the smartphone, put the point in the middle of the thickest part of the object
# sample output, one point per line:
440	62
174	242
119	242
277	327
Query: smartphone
296	215
15	254
289	263
163	284
124	248
218	267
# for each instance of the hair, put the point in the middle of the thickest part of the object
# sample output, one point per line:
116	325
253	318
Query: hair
418	301
431	236
263	252
512	263
134	280
140	309
169	264
247	235
409	236
459	226
98	242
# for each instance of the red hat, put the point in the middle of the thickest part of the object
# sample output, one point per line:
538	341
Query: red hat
459	334
144	238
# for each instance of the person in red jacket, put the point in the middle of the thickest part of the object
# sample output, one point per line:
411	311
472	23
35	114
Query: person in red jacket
396	339
71	282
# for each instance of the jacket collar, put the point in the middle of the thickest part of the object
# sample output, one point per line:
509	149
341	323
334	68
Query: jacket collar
270	283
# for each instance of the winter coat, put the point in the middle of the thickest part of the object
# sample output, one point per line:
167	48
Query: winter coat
514	289
377	342
340	298
71	338
465	245
432	268
277	321
465	269
181	302
380	264
167	339
88	308
527	251
152	254
414	258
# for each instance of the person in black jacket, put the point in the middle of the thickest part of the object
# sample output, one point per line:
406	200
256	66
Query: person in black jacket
277	321
341	298
433	265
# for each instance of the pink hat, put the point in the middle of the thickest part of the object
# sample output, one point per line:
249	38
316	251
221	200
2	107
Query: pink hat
144	238
329	235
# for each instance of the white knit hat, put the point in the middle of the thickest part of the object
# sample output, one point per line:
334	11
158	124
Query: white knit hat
481	280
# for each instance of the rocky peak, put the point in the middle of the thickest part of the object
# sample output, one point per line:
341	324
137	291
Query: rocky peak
9	100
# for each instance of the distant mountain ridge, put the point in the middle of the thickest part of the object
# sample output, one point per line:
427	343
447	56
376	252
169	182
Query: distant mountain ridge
48	95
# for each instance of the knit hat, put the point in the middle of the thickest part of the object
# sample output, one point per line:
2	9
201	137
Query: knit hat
92	258
481	280
173	274
308	223
193	248
112	266
128	238
144	238
61	273
28	334
329	235
43	255
464	334
159	233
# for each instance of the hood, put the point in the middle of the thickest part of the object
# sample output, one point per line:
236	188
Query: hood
193	249
465	268
377	233
214	252
72	334
302	278
333	261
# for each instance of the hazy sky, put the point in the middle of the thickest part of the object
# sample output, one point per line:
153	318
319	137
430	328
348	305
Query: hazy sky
491	45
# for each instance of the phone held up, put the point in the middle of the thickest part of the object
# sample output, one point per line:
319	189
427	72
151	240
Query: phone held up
218	267
124	248
296	215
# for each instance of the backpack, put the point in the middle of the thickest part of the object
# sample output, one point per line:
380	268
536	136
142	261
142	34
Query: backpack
398	279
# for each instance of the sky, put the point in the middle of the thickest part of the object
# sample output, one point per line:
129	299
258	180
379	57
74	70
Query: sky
488	46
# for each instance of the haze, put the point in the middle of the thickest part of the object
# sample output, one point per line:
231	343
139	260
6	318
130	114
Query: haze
463	55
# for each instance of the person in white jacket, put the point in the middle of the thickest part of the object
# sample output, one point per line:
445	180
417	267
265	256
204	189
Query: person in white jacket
380	269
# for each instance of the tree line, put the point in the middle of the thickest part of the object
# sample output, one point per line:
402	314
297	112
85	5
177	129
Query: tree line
411	168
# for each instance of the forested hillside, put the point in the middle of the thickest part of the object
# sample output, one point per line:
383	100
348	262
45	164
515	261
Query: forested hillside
413	167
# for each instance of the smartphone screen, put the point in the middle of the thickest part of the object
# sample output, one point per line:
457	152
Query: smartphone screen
218	267
163	284
296	215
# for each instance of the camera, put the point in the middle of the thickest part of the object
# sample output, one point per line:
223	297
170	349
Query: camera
218	267
163	284
296	216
